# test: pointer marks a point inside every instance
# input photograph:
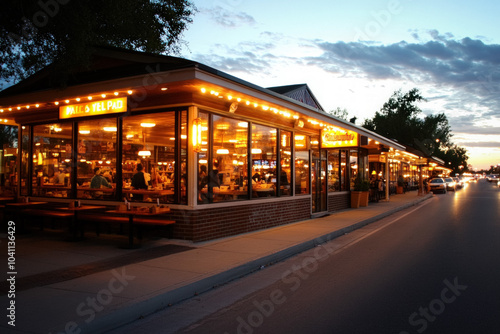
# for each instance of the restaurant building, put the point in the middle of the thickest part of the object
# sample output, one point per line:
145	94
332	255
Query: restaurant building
225	155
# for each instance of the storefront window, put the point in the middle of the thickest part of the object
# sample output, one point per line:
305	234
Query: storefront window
394	171
8	161
8	170
363	164
263	161
52	159
204	196
353	167
183	158
149	158
344	175
96	159
334	171
286	163
25	135
225	176
301	164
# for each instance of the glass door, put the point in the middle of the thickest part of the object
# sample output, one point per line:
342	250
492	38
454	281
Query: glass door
319	181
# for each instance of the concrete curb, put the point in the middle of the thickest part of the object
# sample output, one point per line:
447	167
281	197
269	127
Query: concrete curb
143	308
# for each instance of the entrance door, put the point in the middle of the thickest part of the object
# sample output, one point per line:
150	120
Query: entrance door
319	181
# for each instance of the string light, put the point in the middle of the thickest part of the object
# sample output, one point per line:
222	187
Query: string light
230	97
67	101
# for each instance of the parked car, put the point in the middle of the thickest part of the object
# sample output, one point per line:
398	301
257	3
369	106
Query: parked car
492	178
450	183
459	183
437	185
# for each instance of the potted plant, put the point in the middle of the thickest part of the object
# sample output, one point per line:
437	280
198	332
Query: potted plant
360	194
401	184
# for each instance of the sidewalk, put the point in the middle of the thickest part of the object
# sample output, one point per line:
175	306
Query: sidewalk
99	287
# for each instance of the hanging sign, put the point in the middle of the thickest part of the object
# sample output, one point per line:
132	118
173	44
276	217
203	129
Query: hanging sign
95	108
338	137
377	158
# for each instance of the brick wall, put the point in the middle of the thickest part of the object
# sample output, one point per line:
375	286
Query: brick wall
339	201
218	222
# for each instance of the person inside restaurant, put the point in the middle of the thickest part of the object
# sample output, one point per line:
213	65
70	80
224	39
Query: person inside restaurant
138	182
98	181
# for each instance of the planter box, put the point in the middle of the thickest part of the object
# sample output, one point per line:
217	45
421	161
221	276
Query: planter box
355	199
363	201
399	189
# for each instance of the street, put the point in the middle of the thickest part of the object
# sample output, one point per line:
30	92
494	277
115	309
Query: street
431	268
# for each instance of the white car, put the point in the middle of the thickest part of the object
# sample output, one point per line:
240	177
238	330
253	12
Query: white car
437	185
450	183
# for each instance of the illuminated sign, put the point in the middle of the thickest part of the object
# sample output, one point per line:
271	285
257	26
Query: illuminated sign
103	107
377	158
338	137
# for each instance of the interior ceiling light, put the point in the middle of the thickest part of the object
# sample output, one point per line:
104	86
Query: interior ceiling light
222	151
148	125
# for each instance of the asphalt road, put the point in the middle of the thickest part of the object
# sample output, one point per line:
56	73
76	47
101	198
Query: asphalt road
430	269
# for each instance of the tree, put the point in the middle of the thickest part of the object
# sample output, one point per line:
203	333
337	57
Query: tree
339	113
456	158
400	119
34	34
8	136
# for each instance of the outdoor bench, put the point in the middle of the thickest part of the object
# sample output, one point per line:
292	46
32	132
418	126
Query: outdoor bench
53	214
138	221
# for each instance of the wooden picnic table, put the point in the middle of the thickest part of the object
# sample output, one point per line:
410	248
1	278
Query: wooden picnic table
138	212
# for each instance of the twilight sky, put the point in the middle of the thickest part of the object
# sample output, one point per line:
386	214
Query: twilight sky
355	54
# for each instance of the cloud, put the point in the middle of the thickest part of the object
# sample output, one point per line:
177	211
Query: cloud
480	144
464	75
244	59
228	18
444	61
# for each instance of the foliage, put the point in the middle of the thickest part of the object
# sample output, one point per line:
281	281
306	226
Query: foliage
400	119
34	34
401	181
361	184
456	158
339	113
8	136
494	169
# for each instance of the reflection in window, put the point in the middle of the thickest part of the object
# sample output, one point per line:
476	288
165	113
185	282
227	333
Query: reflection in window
204	196
148	160
263	161
344	180
25	159
334	171
301	164
353	167
337	171
52	160
8	160
96	159
223	177
183	158
286	162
